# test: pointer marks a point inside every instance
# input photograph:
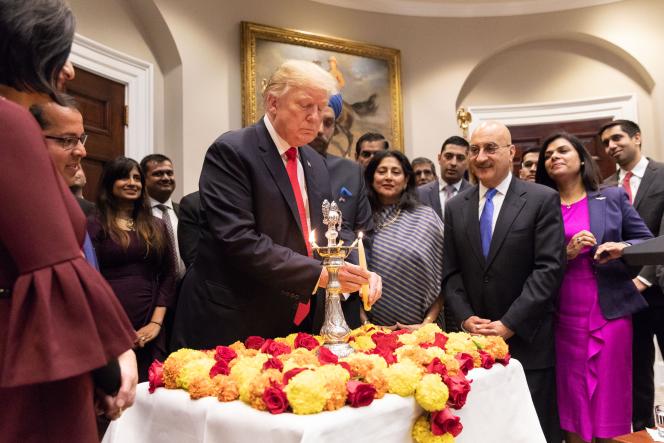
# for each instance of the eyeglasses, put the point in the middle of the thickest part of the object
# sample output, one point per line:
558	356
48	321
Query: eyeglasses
489	149
68	143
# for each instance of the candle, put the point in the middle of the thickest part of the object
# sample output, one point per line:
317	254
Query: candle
364	290
312	239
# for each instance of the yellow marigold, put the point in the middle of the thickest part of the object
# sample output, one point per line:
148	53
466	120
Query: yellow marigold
363	330
227	389
362	343
299	357
427	333
460	342
246	368
378	379
449	361
175	362
402	378
292	364
199	368
306	393
361	364
338	393
422	433
408	339
252	391
238	346
431	393
202	387
333	372
289	340
246	353
496	347
414	353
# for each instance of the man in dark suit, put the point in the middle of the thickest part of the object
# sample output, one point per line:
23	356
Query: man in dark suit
453	161
261	191
643	180
503	263
349	191
189	227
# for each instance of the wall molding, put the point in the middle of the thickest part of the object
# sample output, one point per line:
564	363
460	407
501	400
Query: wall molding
138	77
623	106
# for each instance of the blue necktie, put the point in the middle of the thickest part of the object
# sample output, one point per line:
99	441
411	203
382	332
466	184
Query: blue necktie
485	221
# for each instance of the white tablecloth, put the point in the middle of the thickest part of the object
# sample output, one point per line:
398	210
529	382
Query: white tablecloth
499	409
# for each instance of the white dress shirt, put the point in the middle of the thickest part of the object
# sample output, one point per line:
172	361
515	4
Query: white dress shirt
637	175
441	192
174	223
498	199
283	146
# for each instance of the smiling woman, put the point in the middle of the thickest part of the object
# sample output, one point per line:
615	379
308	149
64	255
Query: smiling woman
135	256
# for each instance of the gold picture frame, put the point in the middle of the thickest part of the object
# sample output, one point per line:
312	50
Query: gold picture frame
369	77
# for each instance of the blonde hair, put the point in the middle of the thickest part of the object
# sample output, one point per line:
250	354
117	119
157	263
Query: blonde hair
299	74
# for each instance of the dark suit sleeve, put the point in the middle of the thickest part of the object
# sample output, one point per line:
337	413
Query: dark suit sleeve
189	228
541	287
634	229
227	197
660	268
453	286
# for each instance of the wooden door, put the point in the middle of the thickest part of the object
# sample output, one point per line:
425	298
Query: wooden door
102	104
525	136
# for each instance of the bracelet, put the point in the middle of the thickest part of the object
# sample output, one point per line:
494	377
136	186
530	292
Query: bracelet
156	323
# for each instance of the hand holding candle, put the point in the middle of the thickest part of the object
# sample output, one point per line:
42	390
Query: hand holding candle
364	290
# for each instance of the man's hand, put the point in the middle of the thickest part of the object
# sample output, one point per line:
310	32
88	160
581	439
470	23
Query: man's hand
112	407
609	251
497	328
375	287
639	284
474	324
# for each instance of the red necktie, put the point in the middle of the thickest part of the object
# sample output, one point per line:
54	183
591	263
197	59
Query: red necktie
291	168
627	186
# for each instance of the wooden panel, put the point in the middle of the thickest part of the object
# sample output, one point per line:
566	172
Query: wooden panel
101	101
525	136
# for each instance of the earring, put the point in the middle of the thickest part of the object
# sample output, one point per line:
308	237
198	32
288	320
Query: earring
583	163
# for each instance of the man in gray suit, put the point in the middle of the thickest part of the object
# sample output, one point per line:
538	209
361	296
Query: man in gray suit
643	180
503	263
453	160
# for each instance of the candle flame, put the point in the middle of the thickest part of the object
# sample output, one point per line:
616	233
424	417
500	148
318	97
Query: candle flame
360	235
312	236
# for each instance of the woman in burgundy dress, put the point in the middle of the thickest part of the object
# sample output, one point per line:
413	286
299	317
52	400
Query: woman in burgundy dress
597	298
59	320
135	256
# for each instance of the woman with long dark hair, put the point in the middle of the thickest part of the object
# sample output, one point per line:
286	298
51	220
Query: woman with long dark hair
59	320
135	256
407	248
593	329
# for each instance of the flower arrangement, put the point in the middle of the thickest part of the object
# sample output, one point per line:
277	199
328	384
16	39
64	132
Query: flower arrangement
297	373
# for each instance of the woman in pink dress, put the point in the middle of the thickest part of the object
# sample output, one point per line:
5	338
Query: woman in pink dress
593	329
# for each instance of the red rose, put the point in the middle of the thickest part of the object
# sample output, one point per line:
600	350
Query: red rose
292	373
275	399
275	348
504	361
156	375
437	367
273	363
465	362
458	387
326	357
386	353
440	340
360	394
254	342
306	341
346	366
220	368
386	341
444	421
487	360
224	353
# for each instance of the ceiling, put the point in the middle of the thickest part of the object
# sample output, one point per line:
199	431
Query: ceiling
464	8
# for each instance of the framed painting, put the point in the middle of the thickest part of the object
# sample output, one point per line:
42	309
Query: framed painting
368	77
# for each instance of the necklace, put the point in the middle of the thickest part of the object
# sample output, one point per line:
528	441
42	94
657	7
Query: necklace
568	204
388	222
129	224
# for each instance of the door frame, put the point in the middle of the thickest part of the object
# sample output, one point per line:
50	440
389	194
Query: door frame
137	76
621	106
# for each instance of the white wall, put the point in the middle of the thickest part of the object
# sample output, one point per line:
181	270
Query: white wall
203	93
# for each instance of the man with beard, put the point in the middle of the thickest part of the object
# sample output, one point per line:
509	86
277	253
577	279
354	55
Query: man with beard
349	191
643	180
261	191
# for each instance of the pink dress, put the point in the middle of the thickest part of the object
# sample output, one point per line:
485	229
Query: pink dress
593	355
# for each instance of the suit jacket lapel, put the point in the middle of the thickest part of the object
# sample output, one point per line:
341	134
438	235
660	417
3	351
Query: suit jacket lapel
597	214
275	165
512	205
648	179
435	199
471	223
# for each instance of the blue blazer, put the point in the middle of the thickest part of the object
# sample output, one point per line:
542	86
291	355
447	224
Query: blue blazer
614	219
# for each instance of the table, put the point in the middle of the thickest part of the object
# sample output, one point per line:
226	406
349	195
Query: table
499	409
